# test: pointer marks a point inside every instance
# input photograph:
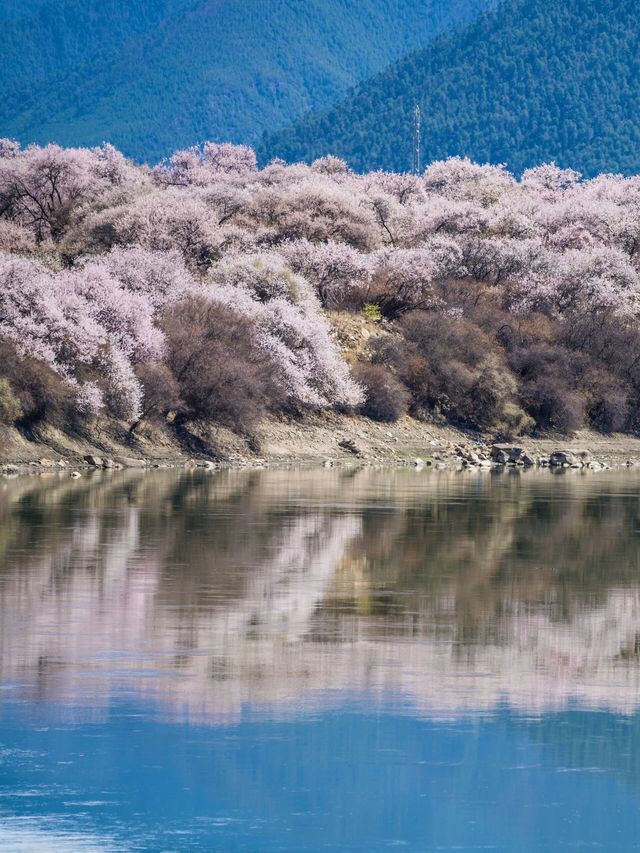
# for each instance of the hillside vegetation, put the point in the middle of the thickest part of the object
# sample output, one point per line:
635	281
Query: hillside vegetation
206	289
532	82
152	75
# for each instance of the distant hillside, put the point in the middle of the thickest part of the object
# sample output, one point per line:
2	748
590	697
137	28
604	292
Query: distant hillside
153	75
534	81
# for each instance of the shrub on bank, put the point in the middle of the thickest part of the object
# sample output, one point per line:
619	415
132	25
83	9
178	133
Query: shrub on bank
10	408
36	394
219	371
386	398
452	367
504	305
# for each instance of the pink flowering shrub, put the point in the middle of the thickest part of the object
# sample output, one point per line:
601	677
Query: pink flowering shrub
289	327
404	280
500	301
43	189
80	323
202	166
339	274
163	221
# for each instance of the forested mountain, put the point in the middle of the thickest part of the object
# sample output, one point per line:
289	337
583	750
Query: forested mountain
151	75
532	81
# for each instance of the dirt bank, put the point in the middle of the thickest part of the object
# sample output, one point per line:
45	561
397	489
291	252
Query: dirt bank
320	439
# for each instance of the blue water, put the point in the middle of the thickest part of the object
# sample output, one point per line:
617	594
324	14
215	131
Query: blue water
164	696
341	780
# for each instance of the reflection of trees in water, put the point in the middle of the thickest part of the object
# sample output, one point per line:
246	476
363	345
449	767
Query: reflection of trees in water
558	544
458	590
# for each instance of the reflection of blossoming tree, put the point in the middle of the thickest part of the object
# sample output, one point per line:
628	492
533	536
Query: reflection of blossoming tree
309	600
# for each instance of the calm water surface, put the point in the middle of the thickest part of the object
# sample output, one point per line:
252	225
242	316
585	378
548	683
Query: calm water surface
320	660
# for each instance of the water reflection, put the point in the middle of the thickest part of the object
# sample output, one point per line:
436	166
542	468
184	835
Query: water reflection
207	593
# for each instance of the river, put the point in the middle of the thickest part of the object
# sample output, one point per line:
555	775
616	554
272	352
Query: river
320	660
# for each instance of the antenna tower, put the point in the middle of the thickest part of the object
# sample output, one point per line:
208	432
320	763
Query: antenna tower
417	140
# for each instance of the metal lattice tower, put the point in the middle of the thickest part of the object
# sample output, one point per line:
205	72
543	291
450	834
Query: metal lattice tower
417	140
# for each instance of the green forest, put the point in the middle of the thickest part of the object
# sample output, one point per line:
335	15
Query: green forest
531	82
150	76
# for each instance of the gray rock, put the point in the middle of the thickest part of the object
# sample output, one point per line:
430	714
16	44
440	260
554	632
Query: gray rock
505	453
564	458
349	445
130	462
94	461
500	456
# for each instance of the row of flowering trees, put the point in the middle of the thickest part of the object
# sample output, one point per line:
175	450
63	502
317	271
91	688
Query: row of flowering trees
510	303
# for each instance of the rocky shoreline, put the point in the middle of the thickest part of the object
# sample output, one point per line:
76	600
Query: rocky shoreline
329	440
520	457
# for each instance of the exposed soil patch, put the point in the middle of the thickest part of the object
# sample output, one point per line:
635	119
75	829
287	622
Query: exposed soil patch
317	439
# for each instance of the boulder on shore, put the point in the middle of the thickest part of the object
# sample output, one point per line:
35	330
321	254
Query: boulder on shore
130	462
504	454
569	458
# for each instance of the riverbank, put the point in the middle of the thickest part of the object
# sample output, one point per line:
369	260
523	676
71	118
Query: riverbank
329	439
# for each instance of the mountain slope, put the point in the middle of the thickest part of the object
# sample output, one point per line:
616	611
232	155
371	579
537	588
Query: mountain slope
536	80
153	75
